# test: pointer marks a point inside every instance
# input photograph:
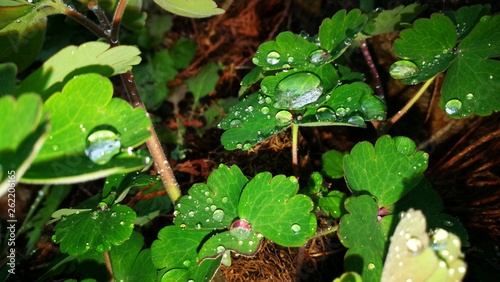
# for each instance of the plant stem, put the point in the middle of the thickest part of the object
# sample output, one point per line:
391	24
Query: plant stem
110	32
406	108
373	70
295	150
109	267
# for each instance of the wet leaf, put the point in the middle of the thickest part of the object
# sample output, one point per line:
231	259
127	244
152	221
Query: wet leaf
191	8
85	106
79	233
394	19
273	209
333	164
8	73
387	171
94	57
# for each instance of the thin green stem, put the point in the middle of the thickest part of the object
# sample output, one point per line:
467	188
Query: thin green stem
295	150
407	107
326	232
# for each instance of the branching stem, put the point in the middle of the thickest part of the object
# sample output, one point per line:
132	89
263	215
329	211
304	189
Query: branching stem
407	107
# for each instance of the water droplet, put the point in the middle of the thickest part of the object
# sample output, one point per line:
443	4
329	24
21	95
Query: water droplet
113	214
54	238
273	58
491	77
103	247
207	194
240	243
225	200
415	245
235	123
453	106
404	69
255	60
197	226
296	228
290	60
283	118
182	226
95	215
264	110
357	120
249	109
298	90
325	114
187	263
221	249
209	200
191	214
218	215
122	223
213	207
247	146
102	145
250	243
240	229
469	96
448	223
319	57
340	112
176	213
286	66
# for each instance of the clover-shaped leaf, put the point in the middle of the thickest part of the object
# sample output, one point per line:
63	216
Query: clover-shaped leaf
130	263
472	83
429	44
22	29
212	205
80	232
391	20
251	121
361	232
89	130
95	57
217	245
288	51
175	250
272	209
191	8
337	33
466	18
24	128
387	171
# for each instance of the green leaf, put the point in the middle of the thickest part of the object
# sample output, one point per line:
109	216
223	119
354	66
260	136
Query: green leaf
387	171
8	73
133	17
429	44
191	8
251	121
333	164
415	256
333	203
349	277
84	107
130	263
175	250
288	51
272	209
362	233
222	242
336	34
24	129
95	57
466	18
212	205
183	51
394	19
203	83
78	233
249	79
22	29
472	83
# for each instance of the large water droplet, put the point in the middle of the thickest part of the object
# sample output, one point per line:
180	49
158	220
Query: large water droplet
325	114
357	120
283	118
341	112
221	249
102	145
296	228
453	106
298	90
264	110
319	56
273	58
240	229
403	69
235	123
218	215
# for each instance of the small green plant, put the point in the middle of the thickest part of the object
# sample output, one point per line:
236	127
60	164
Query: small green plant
62	125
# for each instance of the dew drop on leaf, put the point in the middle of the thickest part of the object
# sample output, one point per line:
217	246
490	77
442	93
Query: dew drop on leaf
453	106
298	90
325	114
213	207
255	60
182	226
218	215
95	215
225	200
357	120
371	266
102	145
469	96
54	238
319	56
209	200
191	214
113	214
235	123
340	112
247	146
290	60
283	118
197	226
415	245
296	228
264	110
220	249
273	58
404	69
187	263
